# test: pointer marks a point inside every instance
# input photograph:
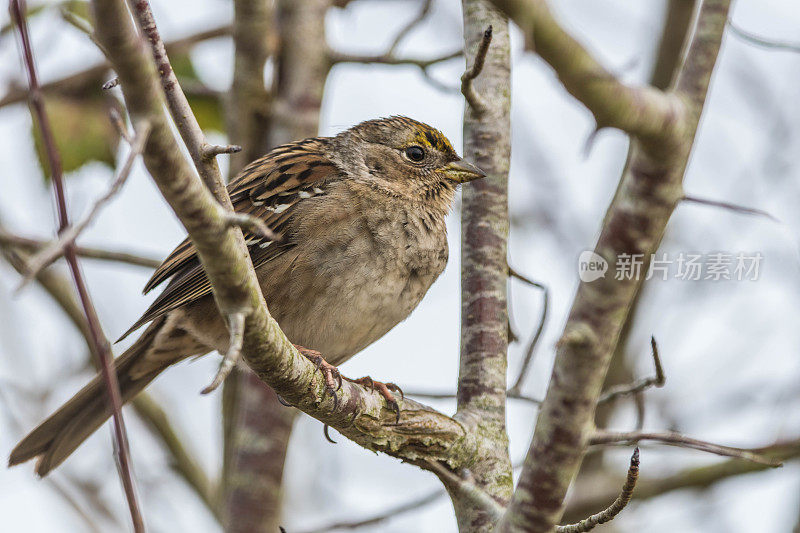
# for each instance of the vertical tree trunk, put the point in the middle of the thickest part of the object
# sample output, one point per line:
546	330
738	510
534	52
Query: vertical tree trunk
484	268
257	427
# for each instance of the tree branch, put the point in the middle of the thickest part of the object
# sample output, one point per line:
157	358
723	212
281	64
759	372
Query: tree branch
757	40
101	347
388	514
473	98
481	398
408	28
184	464
69	234
33	245
594	493
193	137
248	107
643	112
180	458
516	389
87	80
663	127
609	513
640	386
603	437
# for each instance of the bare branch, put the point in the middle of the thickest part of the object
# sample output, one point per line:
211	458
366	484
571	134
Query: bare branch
69	234
451	395
469	490
584	501
83	81
634	388
101	347
424	64
179	107
412	505
603	438
119	124
383	59
234	352
81	24
483	363
640	111
473	98
763	41
516	389
251	223
389	57
180	459
408	28
731	207
664	127
209	151
615	508
248	102
28	244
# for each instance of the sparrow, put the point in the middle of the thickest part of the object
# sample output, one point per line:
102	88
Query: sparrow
362	236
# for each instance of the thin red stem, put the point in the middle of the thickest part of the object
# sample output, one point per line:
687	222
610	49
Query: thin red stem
100	342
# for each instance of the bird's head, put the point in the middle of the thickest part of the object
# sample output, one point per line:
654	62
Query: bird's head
405	157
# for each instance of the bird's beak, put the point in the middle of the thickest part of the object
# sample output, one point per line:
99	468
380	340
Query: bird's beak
461	172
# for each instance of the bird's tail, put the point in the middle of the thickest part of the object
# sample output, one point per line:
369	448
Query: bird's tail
58	436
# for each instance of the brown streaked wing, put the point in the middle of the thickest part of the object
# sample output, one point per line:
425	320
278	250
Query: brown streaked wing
268	188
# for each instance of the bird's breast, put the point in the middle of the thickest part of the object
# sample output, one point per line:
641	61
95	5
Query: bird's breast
357	279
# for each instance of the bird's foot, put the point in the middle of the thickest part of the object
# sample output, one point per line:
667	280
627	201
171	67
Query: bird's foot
331	375
385	389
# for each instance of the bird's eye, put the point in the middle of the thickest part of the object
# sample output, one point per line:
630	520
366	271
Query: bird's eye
415	153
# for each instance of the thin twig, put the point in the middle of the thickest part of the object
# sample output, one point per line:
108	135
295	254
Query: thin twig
729	206
762	41
413	23
634	388
65	486
213	150
615	508
472	97
450	395
68	236
603	438
119	124
424	65
101	346
700	478
389	57
516	389
181	460
78	82
185	121
234	352
250	223
383	59
412	505
81	24
469	490
9	239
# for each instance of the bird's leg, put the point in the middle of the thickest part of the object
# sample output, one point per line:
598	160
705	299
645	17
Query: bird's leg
385	389
333	379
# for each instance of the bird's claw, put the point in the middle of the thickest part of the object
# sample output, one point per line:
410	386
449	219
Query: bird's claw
385	390
330	374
